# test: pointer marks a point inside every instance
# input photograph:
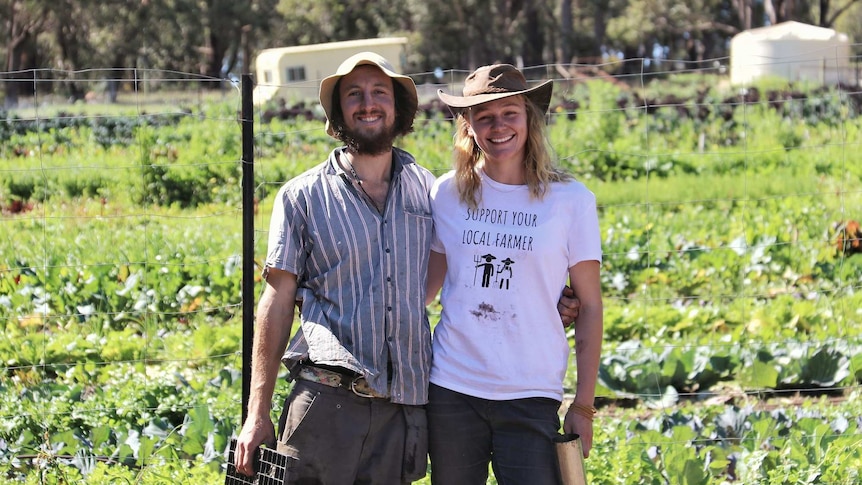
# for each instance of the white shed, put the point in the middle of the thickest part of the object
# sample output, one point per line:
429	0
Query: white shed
294	73
793	51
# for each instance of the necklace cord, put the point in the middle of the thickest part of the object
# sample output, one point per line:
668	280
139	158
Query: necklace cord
357	181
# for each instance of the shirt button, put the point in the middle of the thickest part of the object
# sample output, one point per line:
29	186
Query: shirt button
389	338
389	308
387	250
388	279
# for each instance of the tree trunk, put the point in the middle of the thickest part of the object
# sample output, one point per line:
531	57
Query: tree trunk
16	76
827	18
22	27
13	62
214	58
566	52
769	9
600	28
534	50
743	12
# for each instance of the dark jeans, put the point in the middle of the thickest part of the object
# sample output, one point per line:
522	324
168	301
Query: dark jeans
339	438
515	436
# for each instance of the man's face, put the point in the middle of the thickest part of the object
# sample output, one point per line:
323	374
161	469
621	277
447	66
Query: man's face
368	107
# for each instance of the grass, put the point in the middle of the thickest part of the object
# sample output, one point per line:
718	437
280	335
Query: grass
703	189
129	102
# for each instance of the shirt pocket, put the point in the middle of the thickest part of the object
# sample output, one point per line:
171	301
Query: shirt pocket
419	220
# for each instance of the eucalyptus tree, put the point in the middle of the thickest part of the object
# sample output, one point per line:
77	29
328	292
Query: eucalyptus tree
828	12
567	31
689	30
230	31
468	33
335	20
121	40
215	37
825	13
22	22
782	10
850	23
81	41
93	41
588	25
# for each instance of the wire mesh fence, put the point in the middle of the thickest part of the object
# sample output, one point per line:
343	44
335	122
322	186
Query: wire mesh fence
731	273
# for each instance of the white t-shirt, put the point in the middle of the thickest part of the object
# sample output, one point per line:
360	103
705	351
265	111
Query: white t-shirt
500	335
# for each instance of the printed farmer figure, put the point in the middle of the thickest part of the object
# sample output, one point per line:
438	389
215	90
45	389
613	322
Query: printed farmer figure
506	270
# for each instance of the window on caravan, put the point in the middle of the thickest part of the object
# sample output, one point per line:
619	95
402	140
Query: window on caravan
294	74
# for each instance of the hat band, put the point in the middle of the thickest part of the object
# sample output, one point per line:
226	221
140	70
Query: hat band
494	90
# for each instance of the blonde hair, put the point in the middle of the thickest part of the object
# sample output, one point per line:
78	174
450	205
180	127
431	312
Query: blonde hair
541	169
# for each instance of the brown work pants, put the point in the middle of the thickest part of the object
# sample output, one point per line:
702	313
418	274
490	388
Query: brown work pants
340	438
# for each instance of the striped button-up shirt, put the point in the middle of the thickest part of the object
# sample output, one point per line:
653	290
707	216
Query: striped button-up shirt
361	274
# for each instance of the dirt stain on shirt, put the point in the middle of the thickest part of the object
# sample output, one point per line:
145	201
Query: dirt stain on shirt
486	311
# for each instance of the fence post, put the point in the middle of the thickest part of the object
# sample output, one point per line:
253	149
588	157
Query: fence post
247	237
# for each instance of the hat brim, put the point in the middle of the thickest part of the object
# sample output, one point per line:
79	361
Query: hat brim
327	86
540	95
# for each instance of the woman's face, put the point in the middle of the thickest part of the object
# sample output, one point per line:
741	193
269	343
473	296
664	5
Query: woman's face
500	128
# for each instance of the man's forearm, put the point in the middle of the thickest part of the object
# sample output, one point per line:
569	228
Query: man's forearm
274	324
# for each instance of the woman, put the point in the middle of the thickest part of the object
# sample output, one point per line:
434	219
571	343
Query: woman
511	229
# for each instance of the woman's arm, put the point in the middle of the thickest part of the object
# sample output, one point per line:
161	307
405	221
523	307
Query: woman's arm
585	281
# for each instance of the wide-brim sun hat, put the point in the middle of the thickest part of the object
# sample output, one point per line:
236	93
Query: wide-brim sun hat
327	86
497	81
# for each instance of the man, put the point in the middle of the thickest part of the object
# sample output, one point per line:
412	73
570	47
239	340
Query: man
349	239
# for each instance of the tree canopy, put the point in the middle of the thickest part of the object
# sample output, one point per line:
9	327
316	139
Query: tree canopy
216	37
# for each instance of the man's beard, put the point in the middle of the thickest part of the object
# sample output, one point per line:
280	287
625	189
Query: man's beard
362	144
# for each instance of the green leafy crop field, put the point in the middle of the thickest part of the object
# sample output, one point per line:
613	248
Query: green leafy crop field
731	278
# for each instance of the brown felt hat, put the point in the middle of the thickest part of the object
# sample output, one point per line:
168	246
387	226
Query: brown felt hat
496	81
327	86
